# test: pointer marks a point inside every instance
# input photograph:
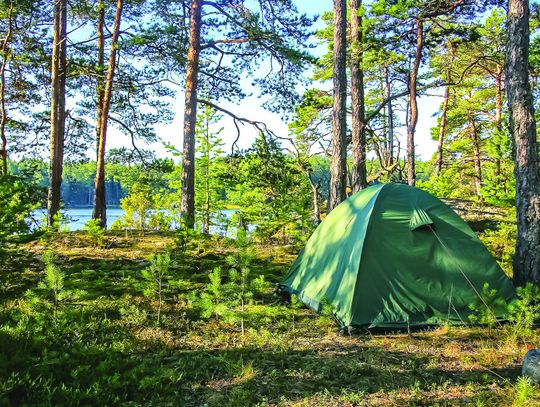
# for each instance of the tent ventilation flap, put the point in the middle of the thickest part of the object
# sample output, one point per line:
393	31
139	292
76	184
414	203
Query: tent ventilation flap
419	219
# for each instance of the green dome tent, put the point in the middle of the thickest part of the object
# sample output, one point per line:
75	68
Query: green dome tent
395	256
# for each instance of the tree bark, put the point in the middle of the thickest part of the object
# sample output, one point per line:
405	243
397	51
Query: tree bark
315	198
473	133
3	119
100	85
523	129
442	129
206	220
498	116
58	109
390	112
359	172
190	114
338	167
100	204
413	119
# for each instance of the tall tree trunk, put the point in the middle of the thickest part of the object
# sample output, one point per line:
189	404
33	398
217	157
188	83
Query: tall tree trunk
390	112
358	178
100	85
315	198
3	119
206	222
413	119
58	109
100	204
338	167
498	116
523	129
442	129
473	133
190	114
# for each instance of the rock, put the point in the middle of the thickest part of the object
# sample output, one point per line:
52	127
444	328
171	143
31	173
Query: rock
531	365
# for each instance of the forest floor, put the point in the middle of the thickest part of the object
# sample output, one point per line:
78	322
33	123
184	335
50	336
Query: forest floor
101	344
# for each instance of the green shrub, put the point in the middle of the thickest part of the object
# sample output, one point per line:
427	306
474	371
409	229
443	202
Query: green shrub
18	198
60	225
524	312
486	308
183	236
137	206
95	233
260	287
159	220
501	243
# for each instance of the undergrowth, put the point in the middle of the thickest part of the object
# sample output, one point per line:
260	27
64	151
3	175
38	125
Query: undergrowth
139	323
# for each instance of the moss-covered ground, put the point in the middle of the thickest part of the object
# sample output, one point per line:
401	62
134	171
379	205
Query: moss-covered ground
102	344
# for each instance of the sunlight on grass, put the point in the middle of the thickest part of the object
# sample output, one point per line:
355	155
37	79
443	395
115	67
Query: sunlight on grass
104	345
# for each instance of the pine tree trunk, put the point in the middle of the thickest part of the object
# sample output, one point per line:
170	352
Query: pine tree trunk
477	160
100	204
100	85
413	119
338	167
315	198
390	112
206	223
498	116
523	129
358	178
442	129
3	118
58	109
190	114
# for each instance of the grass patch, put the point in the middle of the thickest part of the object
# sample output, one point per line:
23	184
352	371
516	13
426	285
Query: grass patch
104	345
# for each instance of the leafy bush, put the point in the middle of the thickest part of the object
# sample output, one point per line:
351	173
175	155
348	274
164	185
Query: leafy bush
18	198
159	220
501	243
137	206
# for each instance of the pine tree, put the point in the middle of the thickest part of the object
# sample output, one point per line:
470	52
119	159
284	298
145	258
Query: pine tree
58	108
523	129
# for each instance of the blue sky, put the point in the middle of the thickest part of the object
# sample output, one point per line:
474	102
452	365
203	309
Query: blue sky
251	108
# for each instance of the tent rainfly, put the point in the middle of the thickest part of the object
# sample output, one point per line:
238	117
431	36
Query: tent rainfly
394	256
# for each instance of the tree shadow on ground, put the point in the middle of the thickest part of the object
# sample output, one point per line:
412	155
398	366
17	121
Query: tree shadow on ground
85	370
298	375
18	273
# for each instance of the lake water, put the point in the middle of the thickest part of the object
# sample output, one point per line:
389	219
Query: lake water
77	217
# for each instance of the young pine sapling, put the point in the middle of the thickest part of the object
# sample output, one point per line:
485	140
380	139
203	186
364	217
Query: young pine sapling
54	279
156	275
